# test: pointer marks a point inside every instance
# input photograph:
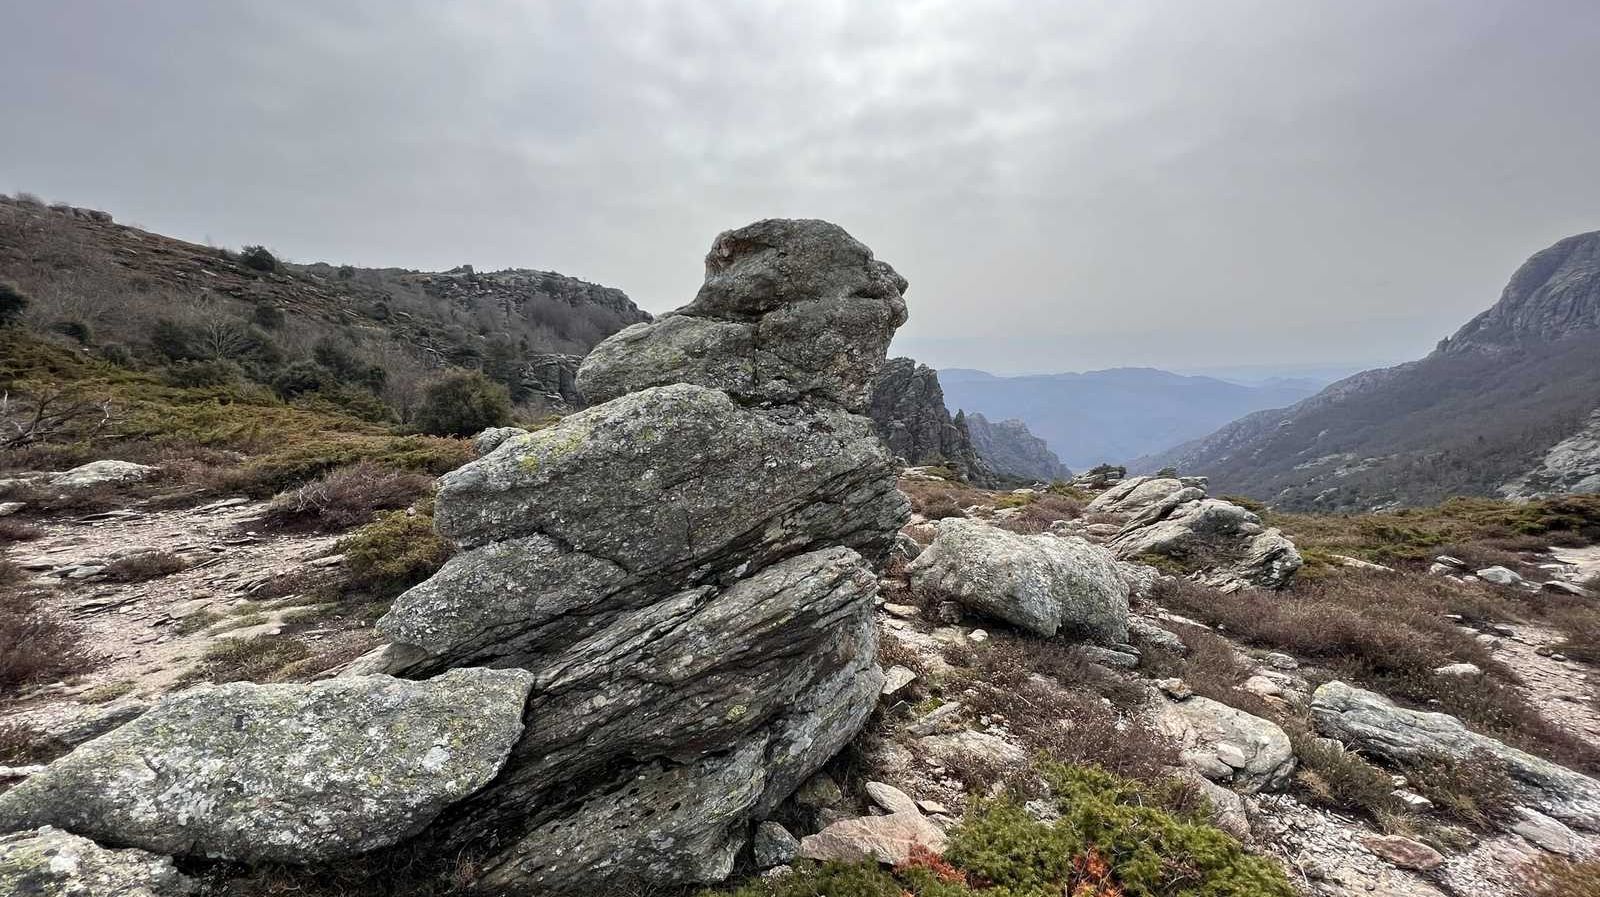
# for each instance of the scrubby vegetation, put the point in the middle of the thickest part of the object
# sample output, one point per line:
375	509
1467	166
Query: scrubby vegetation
1114	837
1558	877
395	551
348	496
35	646
143	566
463	404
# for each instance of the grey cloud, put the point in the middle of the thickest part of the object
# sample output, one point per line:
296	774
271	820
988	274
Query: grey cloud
1066	185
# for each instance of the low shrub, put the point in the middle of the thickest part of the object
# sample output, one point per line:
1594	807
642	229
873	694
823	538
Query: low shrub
394	552
35	646
348	496
1340	779
1037	515
246	660
13	302
937	500
144	566
23	746
1114	837
1476	791
258	258
463	404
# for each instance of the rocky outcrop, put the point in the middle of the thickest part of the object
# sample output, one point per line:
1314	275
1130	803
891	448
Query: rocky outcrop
1042	583
49	862
909	413
295	773
1571	465
554	378
1011	450
1375	724
1173	518
1555	294
680	567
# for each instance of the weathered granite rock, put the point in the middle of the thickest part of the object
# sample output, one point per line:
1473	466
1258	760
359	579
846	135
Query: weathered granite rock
493	438
1042	583
909	414
1225	744
103	473
48	862
1240	550
1404	852
1375	724
296	773
790	310
678	568
1136	494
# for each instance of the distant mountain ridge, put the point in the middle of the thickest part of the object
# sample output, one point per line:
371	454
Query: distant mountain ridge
1502	406
1112	415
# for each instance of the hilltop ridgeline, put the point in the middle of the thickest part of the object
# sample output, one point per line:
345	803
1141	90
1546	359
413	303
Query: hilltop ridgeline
1505	406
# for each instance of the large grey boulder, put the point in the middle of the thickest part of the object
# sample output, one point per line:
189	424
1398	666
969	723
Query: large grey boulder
671	476
1375	724
1042	583
790	310
680	568
1225	744
295	773
48	862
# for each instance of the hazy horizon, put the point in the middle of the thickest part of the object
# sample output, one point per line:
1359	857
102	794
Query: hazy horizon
1219	185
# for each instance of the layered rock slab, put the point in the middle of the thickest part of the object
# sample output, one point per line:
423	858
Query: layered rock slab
1376	724
295	773
1042	583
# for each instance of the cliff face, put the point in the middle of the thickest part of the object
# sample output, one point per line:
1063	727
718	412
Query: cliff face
1554	295
909	413
1505	406
1012	450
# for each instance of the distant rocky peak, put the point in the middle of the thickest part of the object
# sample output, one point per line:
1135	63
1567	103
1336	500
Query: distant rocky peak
1012	450
1555	294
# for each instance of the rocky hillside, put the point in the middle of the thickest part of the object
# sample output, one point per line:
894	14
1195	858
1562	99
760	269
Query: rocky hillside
1505	406
130	295
1012	450
909	413
1113	416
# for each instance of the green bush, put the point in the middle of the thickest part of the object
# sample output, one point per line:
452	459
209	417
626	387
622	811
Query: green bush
300	378
202	373
258	258
13	302
77	331
394	551
1113	838
463	404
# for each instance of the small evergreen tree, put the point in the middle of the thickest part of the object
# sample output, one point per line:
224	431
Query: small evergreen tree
13	302
258	258
462	404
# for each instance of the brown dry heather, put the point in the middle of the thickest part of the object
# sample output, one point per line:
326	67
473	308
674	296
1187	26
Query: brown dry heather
1068	723
35	646
22	746
144	566
1387	632
1556	877
17	531
935	499
347	497
1036	516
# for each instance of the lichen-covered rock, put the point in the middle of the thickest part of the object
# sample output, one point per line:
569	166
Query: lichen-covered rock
1375	724
669	477
1042	583
494	437
48	862
776	671
296	773
888	839
790	310
1134	495
103	473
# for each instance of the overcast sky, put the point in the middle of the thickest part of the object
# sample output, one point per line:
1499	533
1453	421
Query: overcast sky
1066	186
